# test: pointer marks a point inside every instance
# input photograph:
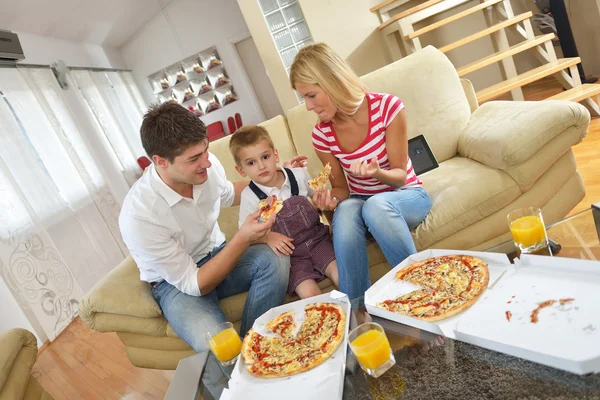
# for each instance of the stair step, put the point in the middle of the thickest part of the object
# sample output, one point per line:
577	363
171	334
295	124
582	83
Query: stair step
501	55
578	93
408	12
452	18
526	78
387	3
486	32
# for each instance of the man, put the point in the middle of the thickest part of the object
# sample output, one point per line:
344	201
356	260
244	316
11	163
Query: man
169	223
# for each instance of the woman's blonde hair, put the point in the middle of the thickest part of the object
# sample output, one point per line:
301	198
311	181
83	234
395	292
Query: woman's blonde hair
318	64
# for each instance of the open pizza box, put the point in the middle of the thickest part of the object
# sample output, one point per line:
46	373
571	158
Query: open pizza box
326	381
388	288
566	336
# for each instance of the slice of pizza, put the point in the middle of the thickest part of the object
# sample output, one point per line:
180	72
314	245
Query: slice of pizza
283	325
320	180
269	206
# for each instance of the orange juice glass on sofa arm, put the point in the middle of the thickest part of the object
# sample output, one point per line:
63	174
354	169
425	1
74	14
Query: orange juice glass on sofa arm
371	348
225	343
527	229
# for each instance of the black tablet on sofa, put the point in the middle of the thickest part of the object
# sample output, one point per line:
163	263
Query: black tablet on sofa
421	155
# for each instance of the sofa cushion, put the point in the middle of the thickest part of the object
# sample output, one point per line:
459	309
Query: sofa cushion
18	350
535	134
463	192
120	292
301	123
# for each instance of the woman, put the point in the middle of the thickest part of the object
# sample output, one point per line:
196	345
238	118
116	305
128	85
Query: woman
364	135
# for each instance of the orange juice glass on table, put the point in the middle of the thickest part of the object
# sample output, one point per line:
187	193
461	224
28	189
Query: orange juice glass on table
225	343
528	229
371	348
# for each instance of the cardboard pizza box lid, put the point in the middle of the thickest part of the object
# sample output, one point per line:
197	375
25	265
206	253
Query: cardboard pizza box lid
566	336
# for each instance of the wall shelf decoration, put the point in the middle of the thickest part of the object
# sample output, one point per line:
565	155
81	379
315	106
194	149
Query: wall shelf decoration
199	83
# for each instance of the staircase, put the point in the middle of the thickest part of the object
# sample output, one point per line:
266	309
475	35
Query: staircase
398	29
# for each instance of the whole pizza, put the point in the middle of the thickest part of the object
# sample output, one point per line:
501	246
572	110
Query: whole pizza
450	285
287	354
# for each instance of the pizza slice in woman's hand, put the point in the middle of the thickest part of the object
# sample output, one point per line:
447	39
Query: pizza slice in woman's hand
320	180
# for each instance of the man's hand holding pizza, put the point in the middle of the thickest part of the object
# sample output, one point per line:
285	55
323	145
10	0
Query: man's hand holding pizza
254	231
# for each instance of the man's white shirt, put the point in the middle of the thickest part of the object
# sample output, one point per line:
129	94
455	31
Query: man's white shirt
249	201
166	233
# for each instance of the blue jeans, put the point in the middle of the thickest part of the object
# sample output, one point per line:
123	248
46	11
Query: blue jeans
259	271
388	217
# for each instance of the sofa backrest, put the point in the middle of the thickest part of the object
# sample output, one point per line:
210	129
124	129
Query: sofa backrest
429	86
278	129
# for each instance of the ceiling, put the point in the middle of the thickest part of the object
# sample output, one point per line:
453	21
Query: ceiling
103	22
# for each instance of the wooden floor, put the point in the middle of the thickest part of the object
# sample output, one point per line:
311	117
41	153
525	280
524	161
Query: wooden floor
84	364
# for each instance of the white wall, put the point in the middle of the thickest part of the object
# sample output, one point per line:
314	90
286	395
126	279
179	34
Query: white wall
197	25
45	50
355	36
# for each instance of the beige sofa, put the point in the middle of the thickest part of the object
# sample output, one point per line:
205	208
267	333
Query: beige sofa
493	159
18	352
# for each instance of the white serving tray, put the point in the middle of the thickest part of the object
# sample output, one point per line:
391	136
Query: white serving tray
325	381
388	288
566	337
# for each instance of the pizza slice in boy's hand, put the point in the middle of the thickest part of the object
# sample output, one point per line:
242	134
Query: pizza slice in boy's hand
268	207
320	180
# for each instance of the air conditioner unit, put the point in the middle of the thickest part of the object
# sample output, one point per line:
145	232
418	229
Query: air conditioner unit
10	47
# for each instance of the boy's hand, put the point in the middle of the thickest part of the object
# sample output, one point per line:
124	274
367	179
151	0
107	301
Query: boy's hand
252	230
296	162
280	244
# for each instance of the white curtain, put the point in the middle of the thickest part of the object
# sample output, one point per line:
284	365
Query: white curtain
63	175
113	118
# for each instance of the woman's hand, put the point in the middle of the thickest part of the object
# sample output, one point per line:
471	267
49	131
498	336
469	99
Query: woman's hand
323	201
296	162
364	169
280	244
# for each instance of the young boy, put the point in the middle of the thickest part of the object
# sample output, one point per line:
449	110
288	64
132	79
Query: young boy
298	230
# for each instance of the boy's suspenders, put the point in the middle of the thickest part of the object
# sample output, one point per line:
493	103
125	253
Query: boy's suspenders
293	183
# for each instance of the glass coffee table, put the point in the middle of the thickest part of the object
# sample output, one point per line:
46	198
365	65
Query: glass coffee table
576	236
429	366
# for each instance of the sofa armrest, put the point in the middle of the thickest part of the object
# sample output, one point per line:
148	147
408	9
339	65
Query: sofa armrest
18	351
523	138
121	293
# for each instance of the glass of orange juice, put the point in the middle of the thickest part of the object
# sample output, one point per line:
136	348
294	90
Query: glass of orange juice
372	349
225	343
528	229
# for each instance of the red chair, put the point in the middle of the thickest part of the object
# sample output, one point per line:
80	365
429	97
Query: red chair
231	125
238	120
215	131
144	162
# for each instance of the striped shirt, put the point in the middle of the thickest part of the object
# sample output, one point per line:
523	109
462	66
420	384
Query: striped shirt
383	108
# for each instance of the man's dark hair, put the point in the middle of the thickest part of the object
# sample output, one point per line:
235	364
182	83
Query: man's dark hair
169	129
